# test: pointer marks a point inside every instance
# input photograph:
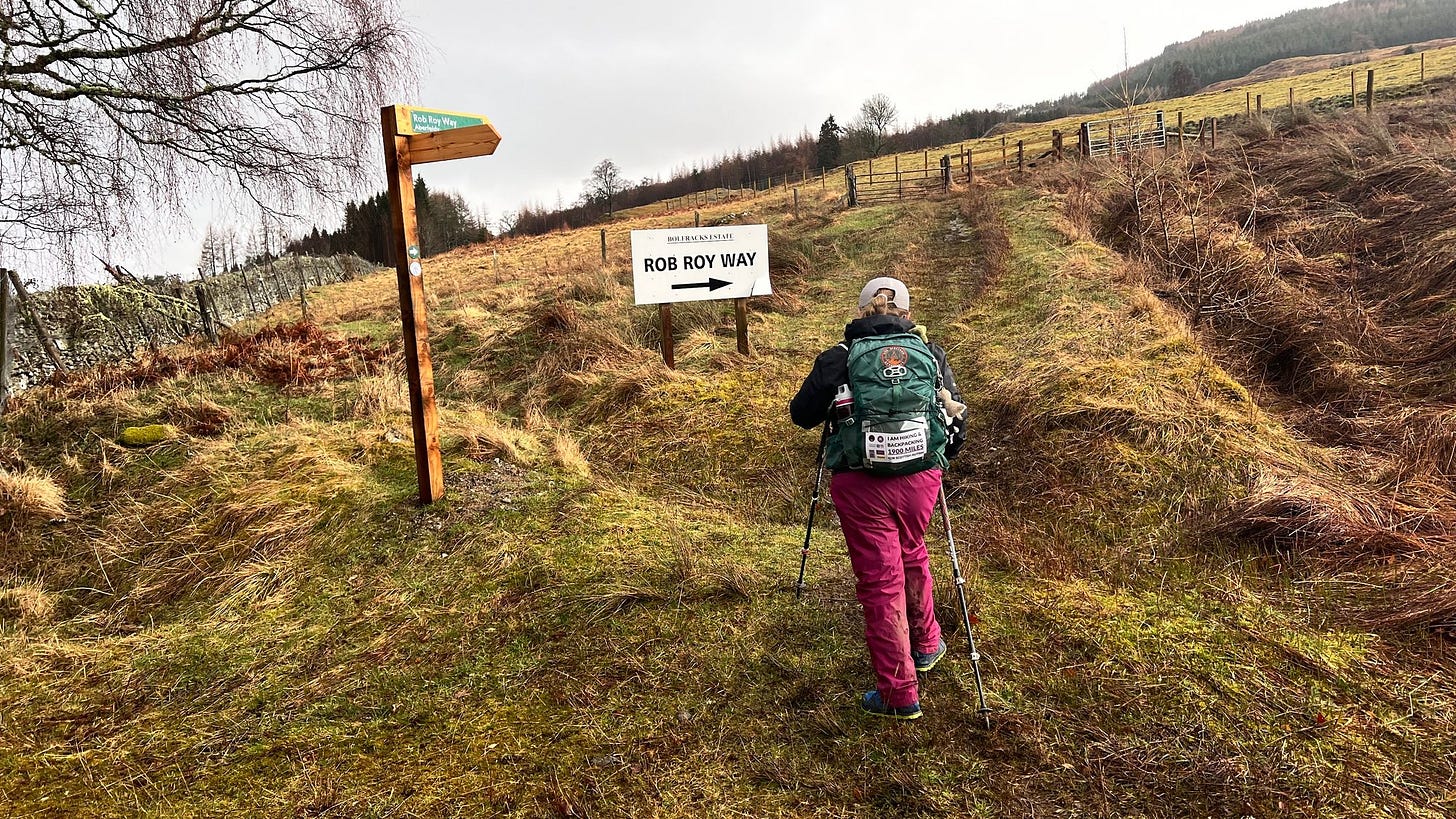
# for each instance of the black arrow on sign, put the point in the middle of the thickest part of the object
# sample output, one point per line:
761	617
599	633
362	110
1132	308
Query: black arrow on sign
712	284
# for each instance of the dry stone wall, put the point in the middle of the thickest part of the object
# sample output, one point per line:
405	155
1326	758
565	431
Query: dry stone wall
98	324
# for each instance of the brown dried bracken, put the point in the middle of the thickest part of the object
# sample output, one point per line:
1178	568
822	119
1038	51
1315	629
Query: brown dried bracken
286	355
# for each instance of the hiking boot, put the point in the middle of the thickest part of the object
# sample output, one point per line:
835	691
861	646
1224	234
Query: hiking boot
873	703
927	661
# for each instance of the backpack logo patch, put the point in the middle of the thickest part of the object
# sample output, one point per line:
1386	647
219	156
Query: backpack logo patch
894	360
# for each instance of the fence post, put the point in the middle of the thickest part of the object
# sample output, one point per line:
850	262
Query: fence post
1259	105
1084	139
971	165
248	290
1180	130
945	173
1291	100
1057	143
1213	134
1003	152
697	219
1423	66
209	329
302	287
1021	156
796	203
1354	99
1369	90
7	352
1111	142
37	323
1248	103
604	245
849	185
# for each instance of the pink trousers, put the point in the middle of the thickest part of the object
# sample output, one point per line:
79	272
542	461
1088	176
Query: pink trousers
884	521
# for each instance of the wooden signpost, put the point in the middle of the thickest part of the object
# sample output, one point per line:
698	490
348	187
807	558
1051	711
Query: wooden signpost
413	136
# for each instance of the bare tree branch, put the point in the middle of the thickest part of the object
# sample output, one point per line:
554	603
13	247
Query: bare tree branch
104	105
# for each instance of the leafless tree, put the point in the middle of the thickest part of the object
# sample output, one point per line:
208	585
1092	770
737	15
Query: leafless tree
876	120
210	259
605	183
506	224
104	105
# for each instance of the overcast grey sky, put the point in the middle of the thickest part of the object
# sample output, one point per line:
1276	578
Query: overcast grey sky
654	85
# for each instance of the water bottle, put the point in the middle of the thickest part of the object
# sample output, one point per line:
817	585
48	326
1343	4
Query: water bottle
843	405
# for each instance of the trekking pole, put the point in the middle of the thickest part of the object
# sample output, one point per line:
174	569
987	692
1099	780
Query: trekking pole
813	506
960	584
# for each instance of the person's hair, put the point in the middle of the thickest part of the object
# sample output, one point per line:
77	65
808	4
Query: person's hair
880	305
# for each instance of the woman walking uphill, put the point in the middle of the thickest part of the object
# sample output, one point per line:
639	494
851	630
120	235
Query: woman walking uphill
888	396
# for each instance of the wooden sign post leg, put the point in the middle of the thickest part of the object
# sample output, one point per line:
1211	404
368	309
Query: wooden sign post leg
423	416
664	312
740	318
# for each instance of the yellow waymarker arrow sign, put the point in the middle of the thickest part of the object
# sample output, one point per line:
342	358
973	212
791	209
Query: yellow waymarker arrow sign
435	136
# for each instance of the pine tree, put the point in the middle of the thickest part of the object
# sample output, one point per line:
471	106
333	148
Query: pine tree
829	146
1181	80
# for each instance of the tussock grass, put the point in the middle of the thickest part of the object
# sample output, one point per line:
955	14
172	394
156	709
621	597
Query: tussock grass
566	454
27	497
198	415
485	438
377	397
1318	267
219	513
27	605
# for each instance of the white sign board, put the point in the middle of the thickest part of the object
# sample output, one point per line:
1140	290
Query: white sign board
700	264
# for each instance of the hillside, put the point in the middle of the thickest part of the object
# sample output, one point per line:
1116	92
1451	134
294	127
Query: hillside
1295	66
1215	56
1205	512
1320	81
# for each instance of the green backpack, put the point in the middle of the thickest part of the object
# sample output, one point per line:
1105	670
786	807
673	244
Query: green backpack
895	426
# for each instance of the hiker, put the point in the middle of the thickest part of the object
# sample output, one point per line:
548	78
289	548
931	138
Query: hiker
887	477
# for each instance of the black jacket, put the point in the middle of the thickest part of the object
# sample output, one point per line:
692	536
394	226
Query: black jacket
810	407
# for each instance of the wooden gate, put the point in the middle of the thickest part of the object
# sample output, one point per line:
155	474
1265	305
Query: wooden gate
1124	135
877	187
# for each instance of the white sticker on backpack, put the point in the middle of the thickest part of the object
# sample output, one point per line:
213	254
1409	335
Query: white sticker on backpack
909	444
